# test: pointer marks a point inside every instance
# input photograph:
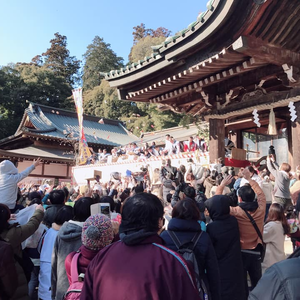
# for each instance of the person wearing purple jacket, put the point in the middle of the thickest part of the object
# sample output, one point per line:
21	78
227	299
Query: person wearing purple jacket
139	266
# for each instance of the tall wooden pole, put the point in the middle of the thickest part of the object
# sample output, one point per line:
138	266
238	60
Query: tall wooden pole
216	139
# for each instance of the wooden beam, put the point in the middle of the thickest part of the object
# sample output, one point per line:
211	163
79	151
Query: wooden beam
259	49
246	66
198	100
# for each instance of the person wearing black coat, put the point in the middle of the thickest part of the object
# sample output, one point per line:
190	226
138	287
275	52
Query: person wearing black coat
225	237
185	225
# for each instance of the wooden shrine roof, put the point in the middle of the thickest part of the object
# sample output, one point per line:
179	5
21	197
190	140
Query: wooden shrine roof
231	50
32	152
53	124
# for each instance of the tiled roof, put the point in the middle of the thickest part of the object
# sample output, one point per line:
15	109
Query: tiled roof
168	43
58	123
49	153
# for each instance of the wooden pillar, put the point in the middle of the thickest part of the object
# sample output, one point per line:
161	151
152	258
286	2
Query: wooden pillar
216	139
295	137
239	139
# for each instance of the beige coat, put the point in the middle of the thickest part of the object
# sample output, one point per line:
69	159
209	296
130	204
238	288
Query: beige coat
295	190
274	238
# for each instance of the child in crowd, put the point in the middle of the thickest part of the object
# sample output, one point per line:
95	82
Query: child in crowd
97	233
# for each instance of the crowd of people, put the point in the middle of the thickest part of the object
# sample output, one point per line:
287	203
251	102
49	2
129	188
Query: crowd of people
197	233
133	152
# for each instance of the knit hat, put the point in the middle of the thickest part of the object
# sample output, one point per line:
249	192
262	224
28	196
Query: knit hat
97	232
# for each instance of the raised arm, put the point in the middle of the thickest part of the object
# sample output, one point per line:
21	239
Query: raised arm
273	168
261	198
226	181
18	177
21	233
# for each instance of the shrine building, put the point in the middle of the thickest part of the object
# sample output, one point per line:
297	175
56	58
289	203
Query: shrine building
52	134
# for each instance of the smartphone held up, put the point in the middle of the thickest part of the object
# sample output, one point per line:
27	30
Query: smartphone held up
101	208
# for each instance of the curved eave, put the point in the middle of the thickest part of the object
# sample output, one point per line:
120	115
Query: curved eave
11	155
63	140
193	40
39	136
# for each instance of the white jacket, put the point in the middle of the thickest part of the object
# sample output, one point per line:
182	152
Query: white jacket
268	190
9	177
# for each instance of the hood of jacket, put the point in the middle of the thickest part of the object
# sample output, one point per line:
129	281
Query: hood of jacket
183	225
70	231
218	207
7	167
140	237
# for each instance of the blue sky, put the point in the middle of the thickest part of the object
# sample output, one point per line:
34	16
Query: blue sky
27	26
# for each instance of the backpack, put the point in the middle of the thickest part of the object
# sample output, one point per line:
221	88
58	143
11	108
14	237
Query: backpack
186	250
75	288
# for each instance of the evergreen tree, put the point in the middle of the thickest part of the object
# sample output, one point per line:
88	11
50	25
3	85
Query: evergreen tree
13	95
103	101
57	58
45	87
22	82
98	58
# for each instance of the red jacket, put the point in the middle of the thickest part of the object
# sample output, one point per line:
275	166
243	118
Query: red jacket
190	147
145	270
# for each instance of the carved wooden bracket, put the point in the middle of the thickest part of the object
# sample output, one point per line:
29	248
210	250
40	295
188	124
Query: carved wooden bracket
205	97
291	73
